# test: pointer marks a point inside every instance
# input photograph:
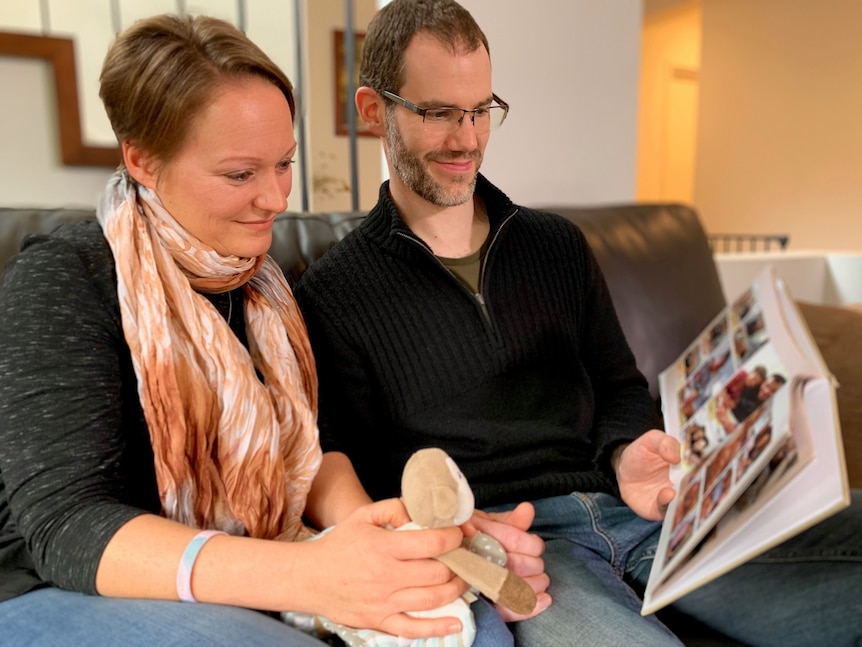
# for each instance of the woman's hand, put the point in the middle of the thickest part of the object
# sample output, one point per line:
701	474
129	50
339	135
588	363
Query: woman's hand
643	473
370	576
524	551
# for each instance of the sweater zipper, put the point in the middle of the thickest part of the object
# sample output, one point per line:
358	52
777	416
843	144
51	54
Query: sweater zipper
478	297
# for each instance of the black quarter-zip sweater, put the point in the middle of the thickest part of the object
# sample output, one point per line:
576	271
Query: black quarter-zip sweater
529	385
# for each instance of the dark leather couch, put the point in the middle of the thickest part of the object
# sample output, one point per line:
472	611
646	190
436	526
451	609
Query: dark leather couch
655	257
661	274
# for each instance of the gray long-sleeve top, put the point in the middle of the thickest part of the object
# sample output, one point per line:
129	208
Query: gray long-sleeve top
76	462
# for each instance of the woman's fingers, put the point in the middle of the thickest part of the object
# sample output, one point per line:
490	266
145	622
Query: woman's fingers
375	575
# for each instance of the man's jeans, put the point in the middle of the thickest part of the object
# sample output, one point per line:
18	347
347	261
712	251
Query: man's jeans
807	591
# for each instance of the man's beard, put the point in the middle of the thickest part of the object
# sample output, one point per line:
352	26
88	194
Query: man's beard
413	172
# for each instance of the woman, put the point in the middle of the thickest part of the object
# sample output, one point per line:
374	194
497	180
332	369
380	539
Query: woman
157	380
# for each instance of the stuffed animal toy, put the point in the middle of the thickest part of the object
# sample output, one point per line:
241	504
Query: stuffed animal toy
436	495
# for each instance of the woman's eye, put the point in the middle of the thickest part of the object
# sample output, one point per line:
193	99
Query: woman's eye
238	177
284	165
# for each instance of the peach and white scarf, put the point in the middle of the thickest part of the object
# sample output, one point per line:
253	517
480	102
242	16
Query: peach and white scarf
232	452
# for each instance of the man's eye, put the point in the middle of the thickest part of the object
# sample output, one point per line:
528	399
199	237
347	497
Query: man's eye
442	114
481	113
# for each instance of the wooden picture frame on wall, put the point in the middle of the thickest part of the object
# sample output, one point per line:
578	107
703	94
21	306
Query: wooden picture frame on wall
60	53
341	99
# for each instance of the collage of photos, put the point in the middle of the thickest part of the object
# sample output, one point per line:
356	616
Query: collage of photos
730	377
749	456
724	379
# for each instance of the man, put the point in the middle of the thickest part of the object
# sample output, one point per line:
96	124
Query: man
753	396
452	317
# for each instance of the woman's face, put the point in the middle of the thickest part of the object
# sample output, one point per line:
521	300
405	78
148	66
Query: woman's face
233	174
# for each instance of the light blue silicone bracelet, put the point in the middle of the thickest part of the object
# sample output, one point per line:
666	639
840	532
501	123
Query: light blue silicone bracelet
187	563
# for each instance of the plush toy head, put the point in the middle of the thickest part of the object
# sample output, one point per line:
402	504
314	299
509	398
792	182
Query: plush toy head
436	495
434	490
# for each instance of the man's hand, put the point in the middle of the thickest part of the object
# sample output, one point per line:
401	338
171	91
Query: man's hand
524	551
643	473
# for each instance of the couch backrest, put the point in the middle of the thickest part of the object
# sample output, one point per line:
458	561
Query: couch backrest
660	272
655	257
298	239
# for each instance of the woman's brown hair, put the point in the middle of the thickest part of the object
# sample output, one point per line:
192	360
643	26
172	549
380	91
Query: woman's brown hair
160	71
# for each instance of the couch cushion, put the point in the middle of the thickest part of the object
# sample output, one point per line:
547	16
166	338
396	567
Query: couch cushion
838	333
15	224
299	239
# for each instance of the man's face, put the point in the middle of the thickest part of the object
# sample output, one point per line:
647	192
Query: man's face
753	379
438	166
767	389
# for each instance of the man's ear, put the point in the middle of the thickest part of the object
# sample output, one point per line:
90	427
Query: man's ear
140	165
372	110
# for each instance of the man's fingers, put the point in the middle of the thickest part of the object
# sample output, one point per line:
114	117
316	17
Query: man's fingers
526	566
670	450
666	495
510	529
522	516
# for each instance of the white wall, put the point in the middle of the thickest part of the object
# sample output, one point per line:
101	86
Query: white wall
569	69
31	173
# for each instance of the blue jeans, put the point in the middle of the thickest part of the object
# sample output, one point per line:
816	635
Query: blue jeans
51	617
598	554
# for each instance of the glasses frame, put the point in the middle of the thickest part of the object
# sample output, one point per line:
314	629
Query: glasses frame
412	107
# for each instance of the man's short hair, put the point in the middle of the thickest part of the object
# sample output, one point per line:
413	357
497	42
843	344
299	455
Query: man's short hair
393	27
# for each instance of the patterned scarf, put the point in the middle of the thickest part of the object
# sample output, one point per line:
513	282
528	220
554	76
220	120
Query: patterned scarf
232	452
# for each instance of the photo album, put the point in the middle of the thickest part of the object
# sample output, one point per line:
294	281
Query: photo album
753	406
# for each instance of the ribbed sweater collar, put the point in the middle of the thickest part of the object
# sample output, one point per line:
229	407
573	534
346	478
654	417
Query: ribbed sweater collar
384	221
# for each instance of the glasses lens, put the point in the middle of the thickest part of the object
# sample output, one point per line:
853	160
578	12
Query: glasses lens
497	114
448	119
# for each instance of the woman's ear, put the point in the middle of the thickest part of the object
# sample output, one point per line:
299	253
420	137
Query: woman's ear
372	110
140	164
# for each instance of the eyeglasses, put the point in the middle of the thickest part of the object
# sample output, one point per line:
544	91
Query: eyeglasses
448	119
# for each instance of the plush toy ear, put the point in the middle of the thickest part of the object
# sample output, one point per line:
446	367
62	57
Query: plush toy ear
444	505
429	490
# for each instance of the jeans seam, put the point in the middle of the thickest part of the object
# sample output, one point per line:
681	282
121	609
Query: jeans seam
594	513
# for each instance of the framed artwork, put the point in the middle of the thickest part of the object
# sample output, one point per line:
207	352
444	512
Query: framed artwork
341	97
60	53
